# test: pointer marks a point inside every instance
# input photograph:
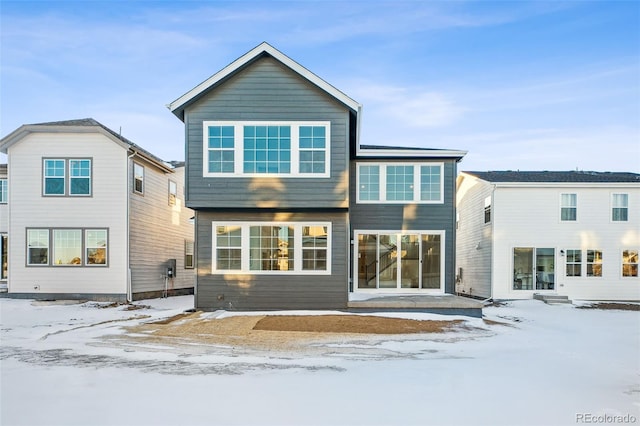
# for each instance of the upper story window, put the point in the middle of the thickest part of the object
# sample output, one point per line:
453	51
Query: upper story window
568	207
3	191
400	183
487	210
173	193
620	207
283	149
138	178
66	177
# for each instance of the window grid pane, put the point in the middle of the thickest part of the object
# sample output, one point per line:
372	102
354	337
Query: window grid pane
271	248
221	146
620	208
312	144
138	178
574	263
430	180
3	191
399	183
314	248
630	263
594	263
37	246
80	177
267	149
54	174
568	207
67	247
228	248
96	246
369	183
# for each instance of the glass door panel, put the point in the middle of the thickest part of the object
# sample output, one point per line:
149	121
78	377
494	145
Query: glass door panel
545	276
388	261
431	261
523	268
367	261
410	261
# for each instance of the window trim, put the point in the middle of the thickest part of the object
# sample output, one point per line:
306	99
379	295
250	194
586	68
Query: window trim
626	207
382	182
238	149
562	206
67	178
50	247
133	175
622	263
245	248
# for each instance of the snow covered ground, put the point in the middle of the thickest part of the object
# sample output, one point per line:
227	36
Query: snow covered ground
551	365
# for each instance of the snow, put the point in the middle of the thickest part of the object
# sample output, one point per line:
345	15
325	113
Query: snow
548	365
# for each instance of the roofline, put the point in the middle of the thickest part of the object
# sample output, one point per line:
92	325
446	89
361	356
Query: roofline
514	184
399	152
176	106
26	129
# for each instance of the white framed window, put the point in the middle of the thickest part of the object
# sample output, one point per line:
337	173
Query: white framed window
271	248
630	263
3	191
400	183
66	177
594	263
138	178
189	249
487	209
619	207
67	247
574	263
266	148
173	193
4	250
568	207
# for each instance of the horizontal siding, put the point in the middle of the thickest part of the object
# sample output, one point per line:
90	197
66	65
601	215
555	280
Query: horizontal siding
106	208
405	217
473	238
269	292
530	217
267	91
158	232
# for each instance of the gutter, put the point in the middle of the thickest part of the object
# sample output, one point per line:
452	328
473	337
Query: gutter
128	227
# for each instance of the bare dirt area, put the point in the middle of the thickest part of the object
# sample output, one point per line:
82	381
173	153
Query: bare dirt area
312	334
612	306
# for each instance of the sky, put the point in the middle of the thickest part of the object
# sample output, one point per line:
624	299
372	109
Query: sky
520	85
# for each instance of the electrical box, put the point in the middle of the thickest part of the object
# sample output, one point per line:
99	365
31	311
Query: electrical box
171	268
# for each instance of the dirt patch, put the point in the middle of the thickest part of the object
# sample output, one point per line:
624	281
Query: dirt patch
612	306
351	324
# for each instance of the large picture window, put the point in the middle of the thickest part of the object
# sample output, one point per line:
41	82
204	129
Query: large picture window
399	183
272	148
67	247
70	177
271	248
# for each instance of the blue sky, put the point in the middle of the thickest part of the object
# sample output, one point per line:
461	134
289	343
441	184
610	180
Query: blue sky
528	85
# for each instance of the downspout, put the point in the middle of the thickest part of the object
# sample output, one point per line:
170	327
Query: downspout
493	222
128	226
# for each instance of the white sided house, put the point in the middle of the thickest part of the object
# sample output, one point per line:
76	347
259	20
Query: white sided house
573	234
91	215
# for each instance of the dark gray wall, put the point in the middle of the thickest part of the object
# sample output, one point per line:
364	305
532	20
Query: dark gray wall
267	90
269	292
411	216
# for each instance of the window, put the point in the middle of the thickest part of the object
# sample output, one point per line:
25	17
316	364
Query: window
399	183
138	178
4	249
620	207
188	254
533	268
314	248
220	146
574	263
3	191
96	246
568	207
285	149
70	247
369	185
487	210
66	177
630	263
594	263
37	246
173	193
271	248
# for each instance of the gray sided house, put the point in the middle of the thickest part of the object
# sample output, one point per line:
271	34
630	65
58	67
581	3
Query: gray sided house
88	214
291	211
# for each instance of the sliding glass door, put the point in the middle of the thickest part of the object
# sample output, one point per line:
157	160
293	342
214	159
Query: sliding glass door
533	268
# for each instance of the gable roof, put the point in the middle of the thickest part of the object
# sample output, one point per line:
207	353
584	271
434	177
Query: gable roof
82	125
177	107
574	176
